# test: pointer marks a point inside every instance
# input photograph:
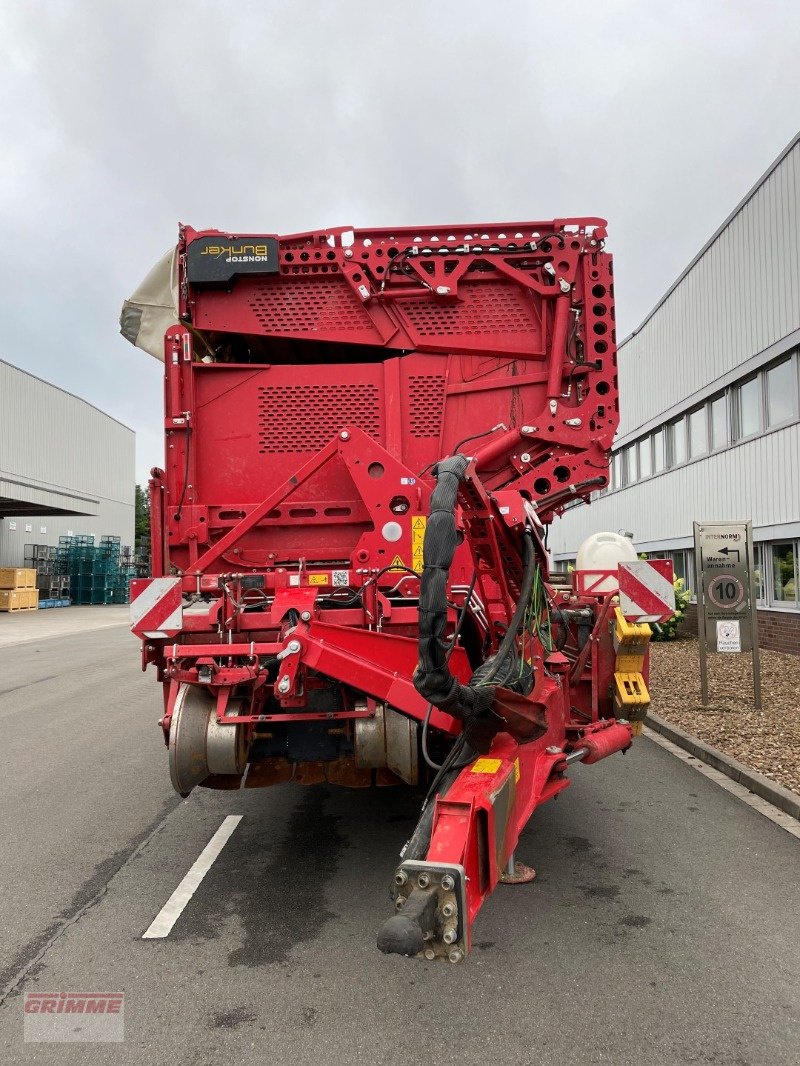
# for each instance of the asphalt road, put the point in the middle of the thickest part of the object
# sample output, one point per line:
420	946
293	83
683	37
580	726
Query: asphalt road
663	926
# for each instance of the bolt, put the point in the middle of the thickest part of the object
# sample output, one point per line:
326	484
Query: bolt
456	955
449	910
400	877
293	647
449	936
526	457
348	253
423	880
448	884
284	684
344	435
554	750
430	954
399	902
428	934
306	616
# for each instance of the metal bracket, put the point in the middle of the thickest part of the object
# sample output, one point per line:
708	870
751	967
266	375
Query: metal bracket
448	938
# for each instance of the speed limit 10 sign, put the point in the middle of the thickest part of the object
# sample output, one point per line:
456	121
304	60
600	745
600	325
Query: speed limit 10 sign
723	554
725	582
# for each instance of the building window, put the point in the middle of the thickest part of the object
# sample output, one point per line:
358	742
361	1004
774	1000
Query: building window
748	409
677	442
621	469
645	457
659	452
758	572
698	432
784	573
628	468
718	417
781	387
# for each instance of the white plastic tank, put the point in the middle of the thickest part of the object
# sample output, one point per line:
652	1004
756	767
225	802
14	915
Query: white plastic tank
605	551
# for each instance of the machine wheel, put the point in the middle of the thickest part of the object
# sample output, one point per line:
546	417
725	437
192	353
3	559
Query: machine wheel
198	744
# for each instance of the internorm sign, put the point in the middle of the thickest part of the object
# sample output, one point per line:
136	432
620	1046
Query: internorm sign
725	594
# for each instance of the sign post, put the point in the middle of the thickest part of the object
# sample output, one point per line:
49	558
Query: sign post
727	620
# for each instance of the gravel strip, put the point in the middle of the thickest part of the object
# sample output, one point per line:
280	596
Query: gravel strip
768	740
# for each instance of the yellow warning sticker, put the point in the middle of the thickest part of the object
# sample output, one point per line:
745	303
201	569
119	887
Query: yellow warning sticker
418	525
397	563
318	579
516	770
486	766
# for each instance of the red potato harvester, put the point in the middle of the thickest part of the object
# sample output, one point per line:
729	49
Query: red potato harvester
367	434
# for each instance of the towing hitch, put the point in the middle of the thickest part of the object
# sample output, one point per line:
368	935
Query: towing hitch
431	904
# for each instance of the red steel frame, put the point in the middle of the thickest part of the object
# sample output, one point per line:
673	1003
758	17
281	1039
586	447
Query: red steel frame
304	409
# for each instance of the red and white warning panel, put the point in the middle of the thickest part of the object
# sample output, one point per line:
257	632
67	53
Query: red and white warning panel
646	590
156	606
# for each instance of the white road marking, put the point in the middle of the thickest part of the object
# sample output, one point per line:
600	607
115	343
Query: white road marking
168	915
769	810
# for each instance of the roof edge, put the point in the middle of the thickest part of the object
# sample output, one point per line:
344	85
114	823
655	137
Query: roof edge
715	235
66	392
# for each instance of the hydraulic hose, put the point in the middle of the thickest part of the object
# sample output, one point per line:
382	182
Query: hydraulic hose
470	703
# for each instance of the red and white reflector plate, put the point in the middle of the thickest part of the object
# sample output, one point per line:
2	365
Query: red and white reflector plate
646	592
156	606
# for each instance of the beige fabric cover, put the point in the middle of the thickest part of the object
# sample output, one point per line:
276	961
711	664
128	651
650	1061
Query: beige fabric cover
153	308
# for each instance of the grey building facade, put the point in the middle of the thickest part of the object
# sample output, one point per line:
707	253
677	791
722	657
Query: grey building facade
65	467
710	406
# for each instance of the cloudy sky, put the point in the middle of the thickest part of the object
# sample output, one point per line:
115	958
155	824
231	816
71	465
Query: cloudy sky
118	119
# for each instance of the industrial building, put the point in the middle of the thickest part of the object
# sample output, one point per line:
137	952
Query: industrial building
65	467
710	406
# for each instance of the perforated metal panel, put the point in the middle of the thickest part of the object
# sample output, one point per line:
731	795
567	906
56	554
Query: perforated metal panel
426	403
485	308
304	418
316	304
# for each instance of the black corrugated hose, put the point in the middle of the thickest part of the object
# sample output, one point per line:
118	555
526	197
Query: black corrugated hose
470	703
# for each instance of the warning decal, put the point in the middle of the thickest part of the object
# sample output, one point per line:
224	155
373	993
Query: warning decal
418	525
397	563
486	766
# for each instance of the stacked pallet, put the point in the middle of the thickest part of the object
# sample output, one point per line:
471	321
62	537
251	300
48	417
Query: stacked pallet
18	591
98	573
77	570
53	585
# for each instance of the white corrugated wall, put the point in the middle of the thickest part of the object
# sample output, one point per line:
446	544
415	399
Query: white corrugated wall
740	297
61	449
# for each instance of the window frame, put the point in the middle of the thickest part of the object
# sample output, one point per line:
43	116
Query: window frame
739	435
672	463
791	360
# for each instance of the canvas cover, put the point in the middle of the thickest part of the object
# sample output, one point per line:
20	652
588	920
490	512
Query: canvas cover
153	308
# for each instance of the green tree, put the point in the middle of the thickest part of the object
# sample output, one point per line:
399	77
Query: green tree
142	513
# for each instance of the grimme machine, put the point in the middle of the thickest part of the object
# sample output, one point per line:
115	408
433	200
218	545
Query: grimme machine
367	434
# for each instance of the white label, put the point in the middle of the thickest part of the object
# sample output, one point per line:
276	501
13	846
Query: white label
42	529
408	481
294	579
12	526
28	527
340	577
505	510
729	637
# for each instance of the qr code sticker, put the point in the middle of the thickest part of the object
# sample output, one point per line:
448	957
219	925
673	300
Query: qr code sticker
341	577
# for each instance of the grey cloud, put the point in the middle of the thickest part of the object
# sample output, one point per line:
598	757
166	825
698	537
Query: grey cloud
118	120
